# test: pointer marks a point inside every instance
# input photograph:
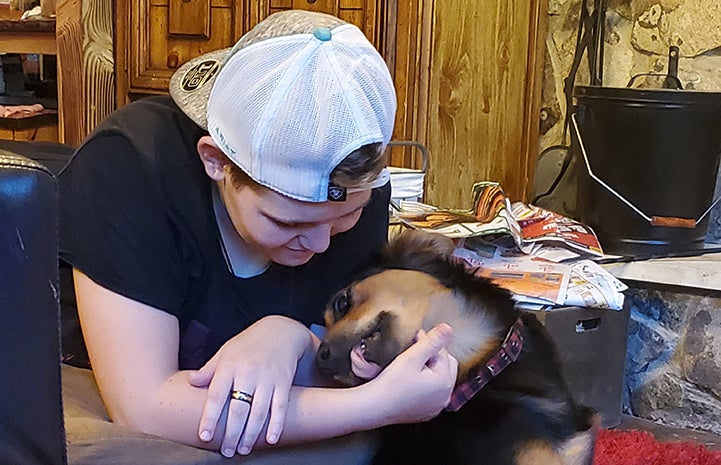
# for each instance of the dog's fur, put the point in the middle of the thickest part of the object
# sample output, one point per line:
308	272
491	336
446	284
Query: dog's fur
524	416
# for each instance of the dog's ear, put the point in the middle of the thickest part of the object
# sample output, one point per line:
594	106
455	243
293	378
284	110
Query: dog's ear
416	250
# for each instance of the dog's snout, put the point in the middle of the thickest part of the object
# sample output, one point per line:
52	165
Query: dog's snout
323	352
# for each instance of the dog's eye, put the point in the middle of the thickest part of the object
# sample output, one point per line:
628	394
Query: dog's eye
341	303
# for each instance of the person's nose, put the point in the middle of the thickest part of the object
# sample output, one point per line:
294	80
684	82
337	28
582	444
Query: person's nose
317	239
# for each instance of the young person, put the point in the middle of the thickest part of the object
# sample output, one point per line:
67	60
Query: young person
206	233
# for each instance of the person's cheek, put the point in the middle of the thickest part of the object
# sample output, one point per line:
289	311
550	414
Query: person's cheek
274	237
264	234
345	224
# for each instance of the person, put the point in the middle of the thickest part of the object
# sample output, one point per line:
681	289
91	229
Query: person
207	230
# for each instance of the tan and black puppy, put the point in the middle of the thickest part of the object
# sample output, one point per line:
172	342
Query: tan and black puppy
511	405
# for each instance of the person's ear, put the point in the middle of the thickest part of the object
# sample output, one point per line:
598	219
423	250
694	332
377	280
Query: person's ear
214	160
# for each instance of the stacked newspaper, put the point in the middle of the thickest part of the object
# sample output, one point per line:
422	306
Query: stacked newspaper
543	258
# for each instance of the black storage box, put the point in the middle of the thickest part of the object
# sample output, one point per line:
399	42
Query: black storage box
592	346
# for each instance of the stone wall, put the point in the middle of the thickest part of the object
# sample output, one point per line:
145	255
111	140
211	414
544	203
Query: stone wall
673	362
637	39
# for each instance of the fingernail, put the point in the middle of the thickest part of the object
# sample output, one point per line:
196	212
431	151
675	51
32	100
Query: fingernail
228	452
272	438
444	329
245	450
440	335
205	436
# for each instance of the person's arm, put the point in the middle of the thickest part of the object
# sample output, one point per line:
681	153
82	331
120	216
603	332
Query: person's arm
134	350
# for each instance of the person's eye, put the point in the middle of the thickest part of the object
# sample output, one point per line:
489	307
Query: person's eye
342	303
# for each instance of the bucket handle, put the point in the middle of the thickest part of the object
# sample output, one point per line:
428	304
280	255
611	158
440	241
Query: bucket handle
667	221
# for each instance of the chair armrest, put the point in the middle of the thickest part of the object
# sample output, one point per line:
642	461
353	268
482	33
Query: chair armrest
31	416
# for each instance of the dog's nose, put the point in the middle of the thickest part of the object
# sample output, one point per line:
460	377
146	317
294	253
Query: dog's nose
323	352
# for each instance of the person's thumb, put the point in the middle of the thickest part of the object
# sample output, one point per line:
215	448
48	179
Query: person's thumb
430	343
203	376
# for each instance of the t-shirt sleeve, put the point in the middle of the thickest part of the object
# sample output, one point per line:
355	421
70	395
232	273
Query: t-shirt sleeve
115	226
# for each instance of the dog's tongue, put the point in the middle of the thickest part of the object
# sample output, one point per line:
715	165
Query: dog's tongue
361	367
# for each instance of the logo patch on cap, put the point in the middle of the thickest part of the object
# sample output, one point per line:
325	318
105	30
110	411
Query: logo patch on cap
336	193
198	75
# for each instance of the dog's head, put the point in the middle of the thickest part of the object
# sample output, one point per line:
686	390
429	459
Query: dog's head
416	285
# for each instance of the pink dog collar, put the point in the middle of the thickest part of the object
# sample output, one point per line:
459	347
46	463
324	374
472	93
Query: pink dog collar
507	353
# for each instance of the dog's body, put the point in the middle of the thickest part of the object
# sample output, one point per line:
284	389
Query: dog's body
524	416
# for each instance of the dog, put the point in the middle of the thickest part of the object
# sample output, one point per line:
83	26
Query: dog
524	415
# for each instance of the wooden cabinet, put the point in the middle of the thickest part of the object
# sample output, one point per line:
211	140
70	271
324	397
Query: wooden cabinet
82	38
155	37
27	37
467	74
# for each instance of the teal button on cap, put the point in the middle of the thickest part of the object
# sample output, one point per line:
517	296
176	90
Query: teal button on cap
322	33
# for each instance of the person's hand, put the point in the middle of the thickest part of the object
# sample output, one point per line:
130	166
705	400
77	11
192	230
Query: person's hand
261	362
418	384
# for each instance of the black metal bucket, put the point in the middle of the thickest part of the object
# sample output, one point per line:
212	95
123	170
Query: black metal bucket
647	165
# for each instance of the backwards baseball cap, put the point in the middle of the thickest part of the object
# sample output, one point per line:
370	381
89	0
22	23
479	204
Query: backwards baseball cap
294	96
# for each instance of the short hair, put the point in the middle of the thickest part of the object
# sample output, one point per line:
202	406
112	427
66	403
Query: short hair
360	167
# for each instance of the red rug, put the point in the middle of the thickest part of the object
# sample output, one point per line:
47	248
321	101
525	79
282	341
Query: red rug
641	448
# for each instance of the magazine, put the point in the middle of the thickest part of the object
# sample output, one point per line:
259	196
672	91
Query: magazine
495	218
541	283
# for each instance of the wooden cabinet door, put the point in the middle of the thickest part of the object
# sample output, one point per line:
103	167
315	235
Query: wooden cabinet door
155	37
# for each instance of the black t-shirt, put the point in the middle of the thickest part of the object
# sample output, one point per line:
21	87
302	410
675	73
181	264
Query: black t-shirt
136	216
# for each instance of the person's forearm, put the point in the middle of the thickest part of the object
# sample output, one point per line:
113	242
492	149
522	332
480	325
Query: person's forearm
315	411
322	413
415	387
173	412
314	414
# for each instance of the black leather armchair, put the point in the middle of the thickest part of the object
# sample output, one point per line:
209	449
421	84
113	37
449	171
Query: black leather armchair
31	415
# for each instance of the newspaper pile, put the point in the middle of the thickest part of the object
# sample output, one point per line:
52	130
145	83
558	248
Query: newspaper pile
543	258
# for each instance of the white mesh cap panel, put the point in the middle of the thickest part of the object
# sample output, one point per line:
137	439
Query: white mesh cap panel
305	135
288	109
240	96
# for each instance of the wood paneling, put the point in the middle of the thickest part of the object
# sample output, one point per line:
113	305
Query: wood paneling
86	72
481	86
405	46
69	33
468	88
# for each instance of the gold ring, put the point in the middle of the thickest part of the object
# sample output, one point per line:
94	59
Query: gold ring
240	395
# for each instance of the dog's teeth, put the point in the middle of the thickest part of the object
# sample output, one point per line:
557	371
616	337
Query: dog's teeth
363	345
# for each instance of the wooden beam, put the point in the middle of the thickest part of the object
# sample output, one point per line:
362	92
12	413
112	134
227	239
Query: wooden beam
534	80
71	102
